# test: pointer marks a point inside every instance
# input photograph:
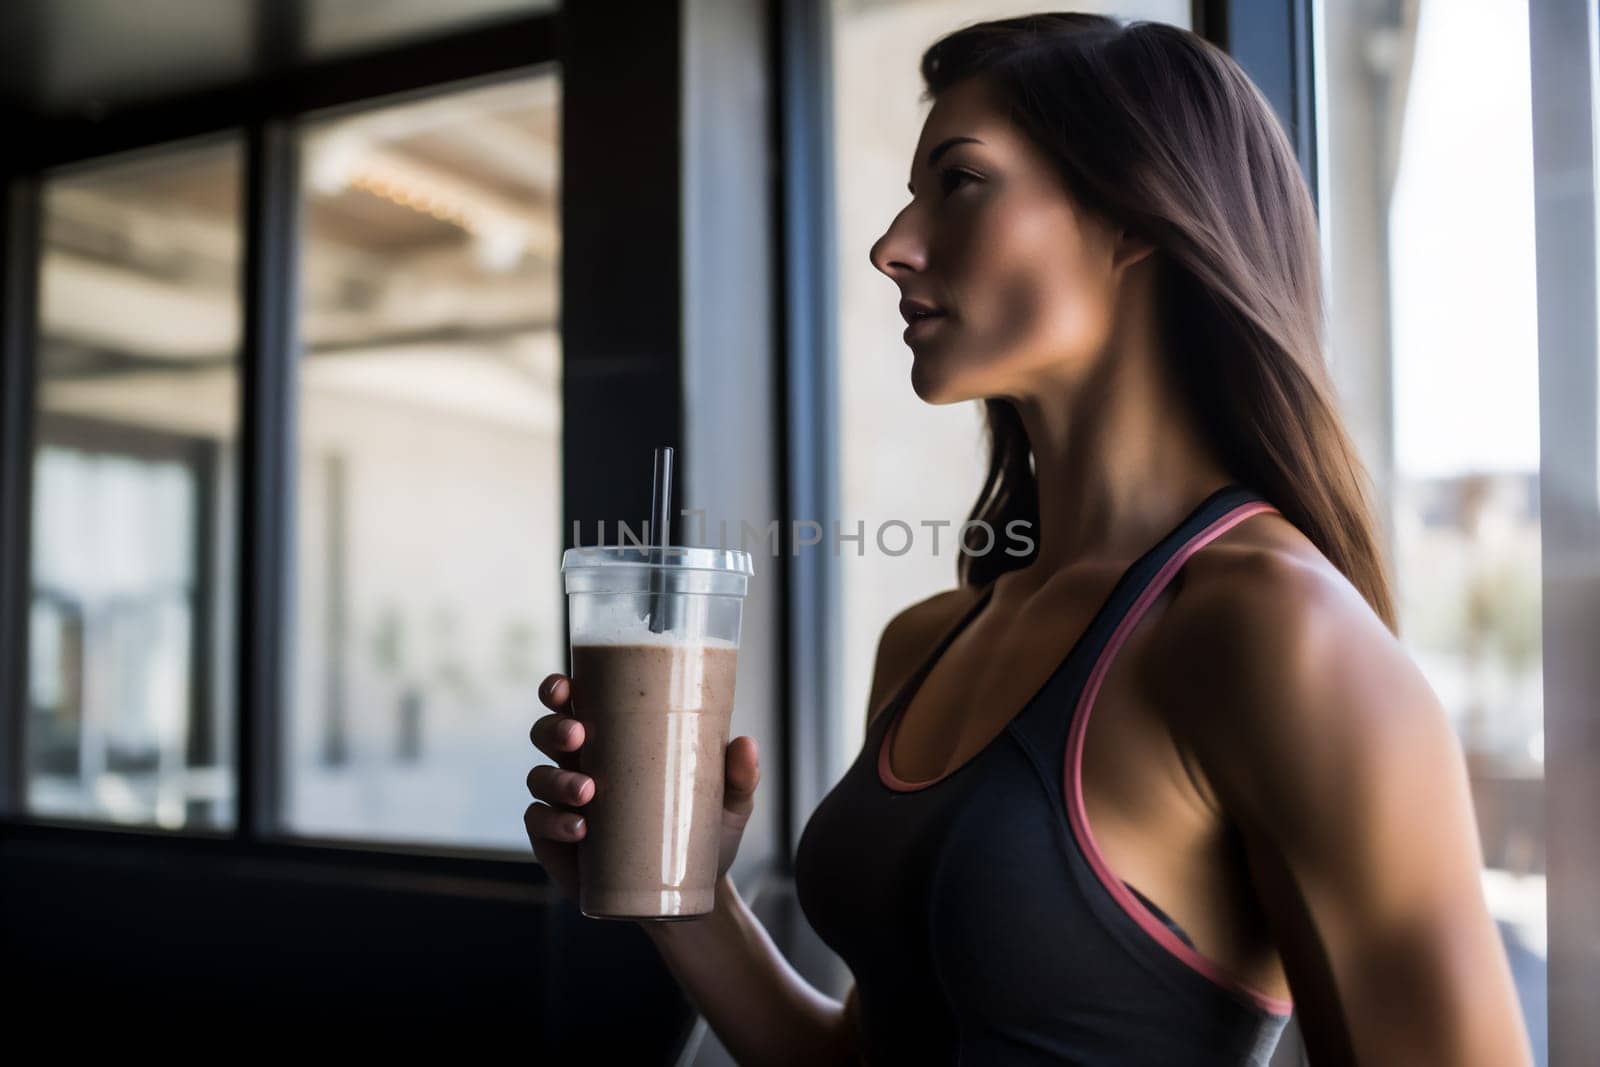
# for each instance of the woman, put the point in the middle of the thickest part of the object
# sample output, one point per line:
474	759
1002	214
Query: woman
1109	242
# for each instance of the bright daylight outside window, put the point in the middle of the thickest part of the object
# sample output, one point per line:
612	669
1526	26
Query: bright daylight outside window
427	601
1429	213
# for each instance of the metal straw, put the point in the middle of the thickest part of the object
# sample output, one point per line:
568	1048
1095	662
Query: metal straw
660	515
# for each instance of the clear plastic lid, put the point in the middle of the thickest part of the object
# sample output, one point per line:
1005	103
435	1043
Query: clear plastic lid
673	557
630	570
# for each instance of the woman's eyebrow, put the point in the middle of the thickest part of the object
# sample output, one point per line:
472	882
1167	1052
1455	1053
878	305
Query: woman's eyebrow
940	149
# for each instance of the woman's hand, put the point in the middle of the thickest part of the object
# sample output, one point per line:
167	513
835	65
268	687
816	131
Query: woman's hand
555	826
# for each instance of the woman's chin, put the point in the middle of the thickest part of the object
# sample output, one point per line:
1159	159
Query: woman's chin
922	382
931	386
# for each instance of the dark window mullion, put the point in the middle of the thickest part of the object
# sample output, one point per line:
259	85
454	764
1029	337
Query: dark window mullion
1273	43
266	436
201	748
19	330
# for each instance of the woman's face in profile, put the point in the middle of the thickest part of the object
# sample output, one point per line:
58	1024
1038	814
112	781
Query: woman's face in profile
1023	284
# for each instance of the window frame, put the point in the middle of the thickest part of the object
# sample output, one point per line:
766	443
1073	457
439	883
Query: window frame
267	113
1274	43
1565	92
800	32
378	915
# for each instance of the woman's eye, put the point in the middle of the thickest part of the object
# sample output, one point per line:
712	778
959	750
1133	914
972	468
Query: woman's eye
953	178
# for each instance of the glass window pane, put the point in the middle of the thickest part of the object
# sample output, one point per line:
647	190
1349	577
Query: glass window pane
1429	212
428	601
130	680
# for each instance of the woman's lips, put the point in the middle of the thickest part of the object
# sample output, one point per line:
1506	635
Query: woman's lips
922	327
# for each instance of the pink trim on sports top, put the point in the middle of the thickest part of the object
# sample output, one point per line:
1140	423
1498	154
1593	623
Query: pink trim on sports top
1073	773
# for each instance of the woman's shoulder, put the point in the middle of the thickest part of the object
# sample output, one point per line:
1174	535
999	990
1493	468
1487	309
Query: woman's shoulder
1266	578
933	611
910	635
1270	658
1264	548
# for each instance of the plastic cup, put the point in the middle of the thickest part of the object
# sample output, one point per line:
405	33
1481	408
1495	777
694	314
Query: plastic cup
656	710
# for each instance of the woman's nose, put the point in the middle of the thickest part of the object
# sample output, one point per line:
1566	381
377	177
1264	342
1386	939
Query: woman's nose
899	251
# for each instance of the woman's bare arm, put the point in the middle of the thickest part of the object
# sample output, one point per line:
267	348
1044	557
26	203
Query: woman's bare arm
1327	747
761	1009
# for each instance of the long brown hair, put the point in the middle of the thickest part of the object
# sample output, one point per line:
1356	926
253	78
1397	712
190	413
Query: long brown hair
1159	131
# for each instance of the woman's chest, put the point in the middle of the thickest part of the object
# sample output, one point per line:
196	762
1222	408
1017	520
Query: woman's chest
970	893
978	784
999	666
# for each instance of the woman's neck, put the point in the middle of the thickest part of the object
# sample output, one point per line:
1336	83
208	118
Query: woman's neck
1118	459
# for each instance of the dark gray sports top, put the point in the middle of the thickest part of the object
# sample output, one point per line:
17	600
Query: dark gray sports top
978	916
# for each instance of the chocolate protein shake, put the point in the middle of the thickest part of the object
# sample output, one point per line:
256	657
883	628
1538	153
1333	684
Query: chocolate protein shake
656	718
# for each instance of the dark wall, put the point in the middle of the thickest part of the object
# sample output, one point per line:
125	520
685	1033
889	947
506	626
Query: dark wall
112	934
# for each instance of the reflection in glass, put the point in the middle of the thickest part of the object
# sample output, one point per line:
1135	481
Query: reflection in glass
130	694
428	603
